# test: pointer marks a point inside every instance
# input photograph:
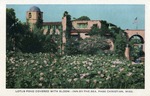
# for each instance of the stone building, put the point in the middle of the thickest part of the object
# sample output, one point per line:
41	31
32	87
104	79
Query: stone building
81	27
33	15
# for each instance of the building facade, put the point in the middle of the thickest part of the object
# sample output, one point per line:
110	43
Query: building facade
79	27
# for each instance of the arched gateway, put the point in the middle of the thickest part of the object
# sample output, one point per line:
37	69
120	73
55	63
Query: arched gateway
137	49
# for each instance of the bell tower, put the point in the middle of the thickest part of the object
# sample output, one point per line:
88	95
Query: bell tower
33	15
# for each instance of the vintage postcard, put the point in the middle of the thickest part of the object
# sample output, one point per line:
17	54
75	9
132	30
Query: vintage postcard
74	48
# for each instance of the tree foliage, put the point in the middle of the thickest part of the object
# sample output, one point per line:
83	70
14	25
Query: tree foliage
111	31
136	48
15	30
120	43
69	27
11	21
83	18
20	38
69	40
103	31
94	31
39	23
93	45
72	47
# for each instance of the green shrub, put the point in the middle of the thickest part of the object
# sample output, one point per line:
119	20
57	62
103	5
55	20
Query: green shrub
72	47
120	43
93	44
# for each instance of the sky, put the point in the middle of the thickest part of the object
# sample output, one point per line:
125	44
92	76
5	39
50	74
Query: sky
122	15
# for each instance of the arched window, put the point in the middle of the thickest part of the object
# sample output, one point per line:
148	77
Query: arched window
30	16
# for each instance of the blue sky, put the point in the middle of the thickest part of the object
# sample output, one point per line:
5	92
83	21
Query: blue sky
121	15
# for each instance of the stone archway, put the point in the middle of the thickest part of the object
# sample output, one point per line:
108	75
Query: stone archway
138	36
140	33
136	48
